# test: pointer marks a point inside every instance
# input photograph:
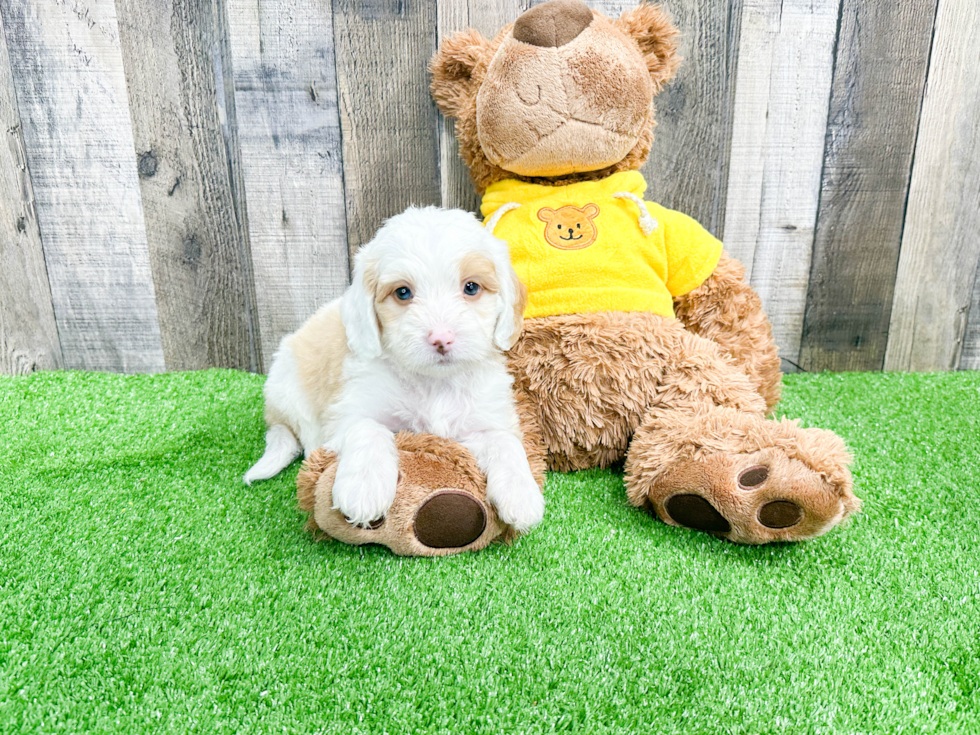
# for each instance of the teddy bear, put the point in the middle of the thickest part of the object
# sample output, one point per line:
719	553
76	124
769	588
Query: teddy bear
642	342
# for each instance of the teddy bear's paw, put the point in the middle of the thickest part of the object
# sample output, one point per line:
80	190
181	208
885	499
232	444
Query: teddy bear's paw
796	490
439	506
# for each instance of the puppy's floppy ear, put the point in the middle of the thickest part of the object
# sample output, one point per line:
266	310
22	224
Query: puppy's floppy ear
512	298
358	313
656	35
517	312
452	68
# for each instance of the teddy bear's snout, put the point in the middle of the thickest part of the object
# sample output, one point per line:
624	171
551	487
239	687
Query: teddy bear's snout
546	109
553	24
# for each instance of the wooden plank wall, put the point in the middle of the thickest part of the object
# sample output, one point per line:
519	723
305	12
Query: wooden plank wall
71	89
941	243
879	74
281	80
182	182
28	334
781	101
198	243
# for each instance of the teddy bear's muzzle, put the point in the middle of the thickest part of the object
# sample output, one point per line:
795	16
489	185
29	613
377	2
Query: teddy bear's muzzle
551	105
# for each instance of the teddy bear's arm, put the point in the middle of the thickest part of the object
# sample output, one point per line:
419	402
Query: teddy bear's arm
726	310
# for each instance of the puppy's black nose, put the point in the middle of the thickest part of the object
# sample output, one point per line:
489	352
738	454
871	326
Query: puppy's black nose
553	24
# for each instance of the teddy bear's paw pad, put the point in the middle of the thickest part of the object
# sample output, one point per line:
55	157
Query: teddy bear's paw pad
777	513
695	512
780	514
770	497
753	476
450	520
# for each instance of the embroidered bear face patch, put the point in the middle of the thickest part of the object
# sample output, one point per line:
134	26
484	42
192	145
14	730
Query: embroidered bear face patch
568	227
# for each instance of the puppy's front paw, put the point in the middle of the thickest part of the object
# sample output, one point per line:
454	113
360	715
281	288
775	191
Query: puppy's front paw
517	498
364	493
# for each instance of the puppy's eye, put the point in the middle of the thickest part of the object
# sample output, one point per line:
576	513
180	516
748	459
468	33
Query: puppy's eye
559	227
579	225
471	288
403	294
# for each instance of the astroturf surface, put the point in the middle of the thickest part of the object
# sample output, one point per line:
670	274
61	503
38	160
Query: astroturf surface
144	588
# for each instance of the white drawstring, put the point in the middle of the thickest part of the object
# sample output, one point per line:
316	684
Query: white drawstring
495	218
647	223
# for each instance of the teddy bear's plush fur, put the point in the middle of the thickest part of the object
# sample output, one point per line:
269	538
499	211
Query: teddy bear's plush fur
564	96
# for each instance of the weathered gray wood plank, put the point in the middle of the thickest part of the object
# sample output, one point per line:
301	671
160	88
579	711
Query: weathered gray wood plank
688	166
390	130
487	17
28	335
970	359
197	240
289	137
941	245
67	69
785	65
879	75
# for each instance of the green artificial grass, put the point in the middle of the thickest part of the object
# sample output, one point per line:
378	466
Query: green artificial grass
144	588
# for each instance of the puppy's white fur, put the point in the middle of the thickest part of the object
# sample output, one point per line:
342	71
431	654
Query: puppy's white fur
373	363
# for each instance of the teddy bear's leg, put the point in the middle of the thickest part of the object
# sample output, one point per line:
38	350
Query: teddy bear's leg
702	461
726	310
440	504
579	385
587	380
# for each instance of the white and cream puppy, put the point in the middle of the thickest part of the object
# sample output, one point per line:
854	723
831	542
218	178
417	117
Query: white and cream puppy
416	343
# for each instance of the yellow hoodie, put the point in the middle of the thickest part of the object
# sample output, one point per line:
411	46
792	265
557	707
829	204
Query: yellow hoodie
590	247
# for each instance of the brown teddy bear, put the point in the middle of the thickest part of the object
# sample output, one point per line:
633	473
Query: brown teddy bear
642	342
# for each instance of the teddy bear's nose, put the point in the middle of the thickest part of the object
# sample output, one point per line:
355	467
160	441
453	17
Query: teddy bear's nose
553	24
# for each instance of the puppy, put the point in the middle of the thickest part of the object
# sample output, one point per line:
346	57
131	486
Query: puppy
416	343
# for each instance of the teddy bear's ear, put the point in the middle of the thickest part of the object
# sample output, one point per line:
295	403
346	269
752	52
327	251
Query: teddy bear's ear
452	70
656	35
